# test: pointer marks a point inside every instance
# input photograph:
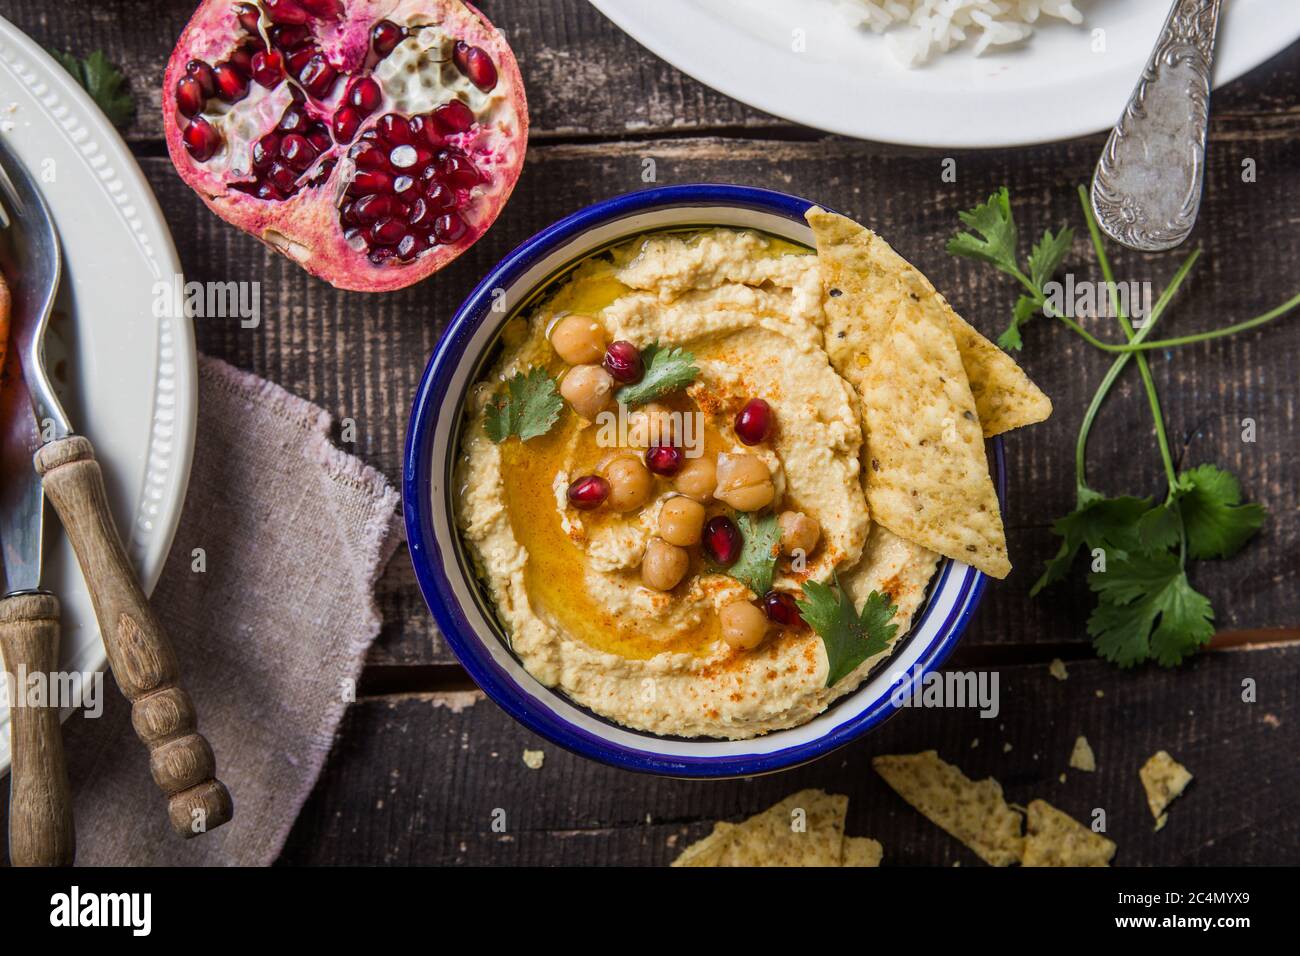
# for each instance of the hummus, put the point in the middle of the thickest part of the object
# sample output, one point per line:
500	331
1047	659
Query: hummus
566	582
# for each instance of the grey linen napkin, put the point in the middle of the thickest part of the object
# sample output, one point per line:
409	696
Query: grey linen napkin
271	636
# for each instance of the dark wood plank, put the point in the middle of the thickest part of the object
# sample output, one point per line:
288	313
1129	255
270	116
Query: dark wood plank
414	781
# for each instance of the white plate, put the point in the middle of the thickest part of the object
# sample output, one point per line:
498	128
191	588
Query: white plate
846	81
131	378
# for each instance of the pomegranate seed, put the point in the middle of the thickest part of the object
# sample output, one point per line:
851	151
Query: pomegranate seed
285	11
323	171
460	172
449	227
780	608
268	68
394	129
242	59
346	123
201	139
282	177
403	157
454	116
299	59
664	459
324	9
588	492
424	128
440	197
754	421
370	209
265	150
421	216
385	36
267	191
293	121
411	246
476	64
289	37
296	151
232	85
189	96
365	95
319	137
203	73
403	186
721	541
248	16
380	256
623	362
367	156
318	77
387	231
368	182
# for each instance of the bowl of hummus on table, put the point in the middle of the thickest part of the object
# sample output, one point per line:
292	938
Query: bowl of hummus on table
698	480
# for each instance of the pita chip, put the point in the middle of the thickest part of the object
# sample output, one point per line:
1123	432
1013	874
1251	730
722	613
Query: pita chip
1164	780
804	829
1054	838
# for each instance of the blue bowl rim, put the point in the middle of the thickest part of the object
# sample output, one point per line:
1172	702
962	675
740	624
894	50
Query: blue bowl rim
432	578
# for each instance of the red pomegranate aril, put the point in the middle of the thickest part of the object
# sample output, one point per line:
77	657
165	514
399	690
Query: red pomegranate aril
424	129
318	77
623	362
242	59
460	172
387	231
368	156
297	60
248	16
780	608
721	541
268	67
289	36
394	129
201	139
203	73
282	177
285	11
380	256
411	246
367	182
296	151
370	209
754	421
440	197
324	9
365	95
189	96
454	116
449	227
421	216
588	492
346	123
319	137
664	460
475	64
385	36
267	191
265	150
293	121
232	84
404	188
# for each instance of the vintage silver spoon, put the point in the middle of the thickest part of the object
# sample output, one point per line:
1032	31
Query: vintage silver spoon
1147	188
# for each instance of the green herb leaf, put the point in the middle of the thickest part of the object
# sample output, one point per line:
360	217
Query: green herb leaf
666	370
105	84
1048	254
1026	309
760	538
996	228
1147	608
528	406
1098	522
849	637
1215	521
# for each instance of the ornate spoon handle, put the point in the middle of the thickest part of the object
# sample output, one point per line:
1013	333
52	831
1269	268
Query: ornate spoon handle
1147	189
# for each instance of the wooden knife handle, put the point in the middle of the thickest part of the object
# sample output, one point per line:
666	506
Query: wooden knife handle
139	652
40	807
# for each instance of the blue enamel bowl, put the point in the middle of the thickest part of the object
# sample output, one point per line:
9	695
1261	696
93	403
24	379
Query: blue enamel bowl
458	600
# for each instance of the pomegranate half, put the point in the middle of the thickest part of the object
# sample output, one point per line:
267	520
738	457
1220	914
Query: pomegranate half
371	141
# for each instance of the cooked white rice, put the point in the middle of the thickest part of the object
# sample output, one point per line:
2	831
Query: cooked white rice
915	30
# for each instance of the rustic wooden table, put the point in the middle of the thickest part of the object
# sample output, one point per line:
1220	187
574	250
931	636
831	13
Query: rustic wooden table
422	760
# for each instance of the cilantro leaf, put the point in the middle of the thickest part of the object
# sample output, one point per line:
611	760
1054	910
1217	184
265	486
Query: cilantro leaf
996	228
1026	309
666	370
1147	608
849	637
528	407
1098	522
104	82
757	561
1217	525
1048	254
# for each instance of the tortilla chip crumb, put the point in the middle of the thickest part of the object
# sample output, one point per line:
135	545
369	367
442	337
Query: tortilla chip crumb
1100	693
1164	779
1057	839
1057	669
974	743
533	759
973	812
1082	757
1061	778
1006	748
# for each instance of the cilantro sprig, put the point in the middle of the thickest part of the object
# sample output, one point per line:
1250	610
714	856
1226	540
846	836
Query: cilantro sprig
760	538
994	240
104	82
528	406
849	637
1147	608
666	370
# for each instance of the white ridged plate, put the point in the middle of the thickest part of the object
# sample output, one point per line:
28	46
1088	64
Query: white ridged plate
131	381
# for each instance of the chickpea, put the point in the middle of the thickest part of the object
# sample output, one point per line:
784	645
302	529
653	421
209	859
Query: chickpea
630	483
579	340
589	389
744	481
698	478
798	532
651	425
681	520
743	625
664	565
